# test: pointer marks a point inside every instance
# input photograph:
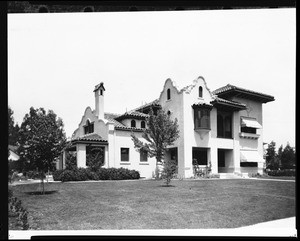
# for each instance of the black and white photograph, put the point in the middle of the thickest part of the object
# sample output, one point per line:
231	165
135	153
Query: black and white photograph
148	121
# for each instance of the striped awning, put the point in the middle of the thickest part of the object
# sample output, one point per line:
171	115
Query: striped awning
251	156
250	123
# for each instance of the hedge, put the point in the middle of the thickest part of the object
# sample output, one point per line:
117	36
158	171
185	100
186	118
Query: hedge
285	172
84	174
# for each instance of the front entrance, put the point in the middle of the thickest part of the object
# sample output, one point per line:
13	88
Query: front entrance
225	161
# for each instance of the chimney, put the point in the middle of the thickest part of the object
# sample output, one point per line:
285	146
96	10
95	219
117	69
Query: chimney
99	100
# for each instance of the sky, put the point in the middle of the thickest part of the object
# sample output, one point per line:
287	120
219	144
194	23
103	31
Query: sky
56	59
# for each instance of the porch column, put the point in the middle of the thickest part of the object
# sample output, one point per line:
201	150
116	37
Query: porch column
81	155
236	144
110	158
213	156
106	162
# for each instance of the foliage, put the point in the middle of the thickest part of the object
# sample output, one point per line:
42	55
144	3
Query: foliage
13	129
15	209
41	139
33	174
287	157
285	172
160	133
272	161
94	157
169	170
83	174
284	158
71	162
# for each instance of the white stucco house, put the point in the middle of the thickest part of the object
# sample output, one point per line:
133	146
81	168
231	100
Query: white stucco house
221	128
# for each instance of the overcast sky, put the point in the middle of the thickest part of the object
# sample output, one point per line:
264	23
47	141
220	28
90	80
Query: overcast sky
56	59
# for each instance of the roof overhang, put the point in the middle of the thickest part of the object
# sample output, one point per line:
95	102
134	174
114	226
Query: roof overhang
221	103
234	91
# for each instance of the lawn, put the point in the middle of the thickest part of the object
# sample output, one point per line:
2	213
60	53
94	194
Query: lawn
147	204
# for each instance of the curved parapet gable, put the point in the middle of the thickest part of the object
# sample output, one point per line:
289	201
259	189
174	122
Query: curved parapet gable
99	125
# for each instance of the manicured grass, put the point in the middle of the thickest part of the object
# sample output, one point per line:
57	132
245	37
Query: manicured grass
147	204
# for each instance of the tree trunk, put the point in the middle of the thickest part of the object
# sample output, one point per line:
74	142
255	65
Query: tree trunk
43	184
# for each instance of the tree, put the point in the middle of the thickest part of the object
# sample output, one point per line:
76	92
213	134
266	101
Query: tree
12	128
271	159
288	157
160	133
41	139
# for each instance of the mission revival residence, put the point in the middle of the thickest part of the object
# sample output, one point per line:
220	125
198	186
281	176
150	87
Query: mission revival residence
221	128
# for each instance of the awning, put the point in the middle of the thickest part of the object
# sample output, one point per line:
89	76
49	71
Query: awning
250	123
251	156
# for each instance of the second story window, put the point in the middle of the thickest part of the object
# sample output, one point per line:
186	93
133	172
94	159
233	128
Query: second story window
89	127
133	123
224	124
168	94
201	118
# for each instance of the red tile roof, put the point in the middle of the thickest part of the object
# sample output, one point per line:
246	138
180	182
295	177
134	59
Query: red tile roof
231	90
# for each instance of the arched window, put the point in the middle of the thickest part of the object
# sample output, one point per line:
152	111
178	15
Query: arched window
133	123
143	124
200	91
89	127
168	94
169	112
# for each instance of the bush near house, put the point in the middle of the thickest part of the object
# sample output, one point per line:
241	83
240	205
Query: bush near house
285	172
16	213
84	174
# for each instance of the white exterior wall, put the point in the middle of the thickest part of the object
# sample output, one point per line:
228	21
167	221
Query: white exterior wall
122	139
175	106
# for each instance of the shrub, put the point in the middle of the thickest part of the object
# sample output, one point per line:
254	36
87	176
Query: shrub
83	174
56	175
34	175
285	172
15	209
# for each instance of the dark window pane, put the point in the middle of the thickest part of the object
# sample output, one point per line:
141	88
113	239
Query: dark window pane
124	154
133	123
168	94
143	156
248	164
143	125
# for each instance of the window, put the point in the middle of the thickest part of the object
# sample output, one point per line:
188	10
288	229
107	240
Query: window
143	124
169	112
202	118
199	156
89	127
200	91
101	92
224	124
248	129
143	156
133	123
248	164
168	94
124	154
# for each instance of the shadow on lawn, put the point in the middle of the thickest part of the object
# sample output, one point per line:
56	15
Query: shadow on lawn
40	193
165	185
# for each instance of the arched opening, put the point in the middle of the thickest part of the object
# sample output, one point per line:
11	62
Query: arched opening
143	124
200	91
89	127
169	112
168	94
133	123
